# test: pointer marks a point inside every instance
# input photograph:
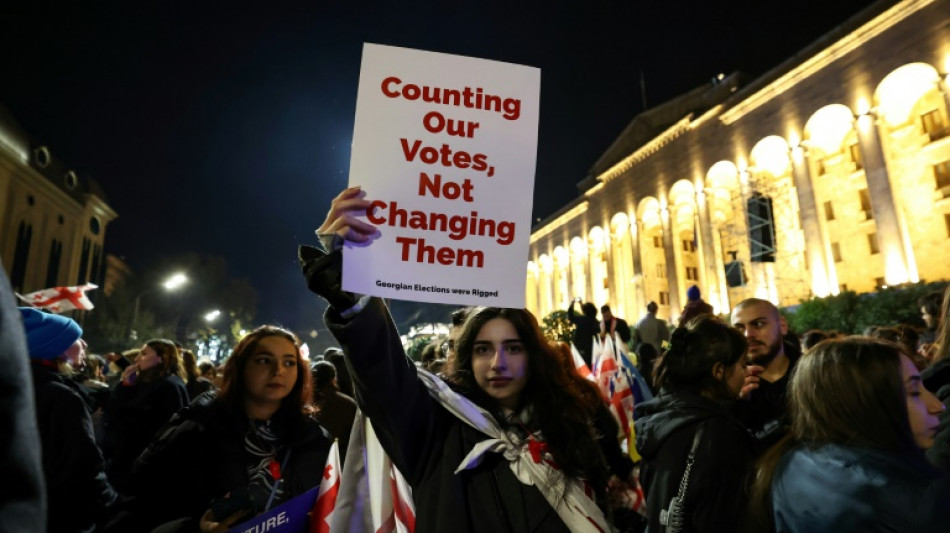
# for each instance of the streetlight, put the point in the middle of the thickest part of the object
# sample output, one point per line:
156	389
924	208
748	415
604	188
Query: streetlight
170	284
175	281
210	317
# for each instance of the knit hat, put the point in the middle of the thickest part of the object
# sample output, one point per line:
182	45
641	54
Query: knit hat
692	293
48	335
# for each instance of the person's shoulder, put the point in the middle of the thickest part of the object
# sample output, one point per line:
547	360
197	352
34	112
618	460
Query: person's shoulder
60	392
341	398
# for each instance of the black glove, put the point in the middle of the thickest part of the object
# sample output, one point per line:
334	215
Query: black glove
324	274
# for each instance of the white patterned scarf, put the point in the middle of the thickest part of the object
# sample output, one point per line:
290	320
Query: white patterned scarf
566	495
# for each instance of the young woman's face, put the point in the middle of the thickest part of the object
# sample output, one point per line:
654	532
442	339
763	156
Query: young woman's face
147	358
735	377
500	363
271	371
922	406
76	354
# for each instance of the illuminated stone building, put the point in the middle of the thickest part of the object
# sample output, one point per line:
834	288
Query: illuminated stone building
830	172
52	219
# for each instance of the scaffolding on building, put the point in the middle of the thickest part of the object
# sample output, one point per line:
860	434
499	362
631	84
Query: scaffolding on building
757	240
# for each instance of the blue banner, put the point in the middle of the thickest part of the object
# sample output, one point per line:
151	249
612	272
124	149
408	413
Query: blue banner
290	517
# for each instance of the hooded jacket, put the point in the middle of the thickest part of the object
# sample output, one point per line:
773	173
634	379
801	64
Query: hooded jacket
718	483
838	488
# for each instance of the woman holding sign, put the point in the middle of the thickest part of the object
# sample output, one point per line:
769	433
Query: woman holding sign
234	454
505	446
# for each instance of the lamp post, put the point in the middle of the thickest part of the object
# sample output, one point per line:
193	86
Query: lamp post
214	344
170	284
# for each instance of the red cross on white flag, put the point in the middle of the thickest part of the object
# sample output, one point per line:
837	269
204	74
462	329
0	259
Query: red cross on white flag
60	299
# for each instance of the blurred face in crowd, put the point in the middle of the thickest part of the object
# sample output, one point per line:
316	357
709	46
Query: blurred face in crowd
271	370
448	347
76	354
763	329
500	362
608	316
922	406
733	377
147	358
928	318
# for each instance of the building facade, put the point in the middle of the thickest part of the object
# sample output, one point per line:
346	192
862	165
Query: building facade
831	172
53	219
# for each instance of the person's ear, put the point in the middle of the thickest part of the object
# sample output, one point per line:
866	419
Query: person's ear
719	371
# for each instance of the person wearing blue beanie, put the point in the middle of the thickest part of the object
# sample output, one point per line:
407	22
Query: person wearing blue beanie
77	489
48	336
694	307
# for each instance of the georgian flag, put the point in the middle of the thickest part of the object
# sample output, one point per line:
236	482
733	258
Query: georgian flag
374	498
580	365
60	299
325	505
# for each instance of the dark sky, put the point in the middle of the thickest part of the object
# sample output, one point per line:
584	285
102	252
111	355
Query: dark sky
224	127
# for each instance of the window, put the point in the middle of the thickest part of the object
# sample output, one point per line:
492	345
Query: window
942	174
692	273
934	124
872	243
820	167
689	245
661	271
52	268
20	255
836	252
879	283
865	198
946	220
657	241
855	152
664	298
84	262
843	287
829	211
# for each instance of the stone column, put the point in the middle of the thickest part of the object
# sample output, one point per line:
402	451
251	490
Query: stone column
815	245
672	272
886	218
715	276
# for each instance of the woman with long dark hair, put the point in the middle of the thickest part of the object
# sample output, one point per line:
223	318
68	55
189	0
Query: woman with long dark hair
152	389
853	460
255	443
689	423
505	446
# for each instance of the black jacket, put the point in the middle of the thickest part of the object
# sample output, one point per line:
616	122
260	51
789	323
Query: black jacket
337	411
765	413
585	329
78	493
426	443
719	479
621	329
200	456
136	413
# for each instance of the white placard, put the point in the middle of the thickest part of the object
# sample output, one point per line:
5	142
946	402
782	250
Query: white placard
445	147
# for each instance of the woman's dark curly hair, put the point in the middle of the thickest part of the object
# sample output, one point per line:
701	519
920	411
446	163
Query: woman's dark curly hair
232	383
557	405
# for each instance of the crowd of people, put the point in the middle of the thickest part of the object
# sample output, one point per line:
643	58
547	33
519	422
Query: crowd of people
751	427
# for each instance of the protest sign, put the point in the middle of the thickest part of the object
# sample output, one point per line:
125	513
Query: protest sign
445	148
292	516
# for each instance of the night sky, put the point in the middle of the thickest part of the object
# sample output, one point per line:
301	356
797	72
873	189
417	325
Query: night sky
223	129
